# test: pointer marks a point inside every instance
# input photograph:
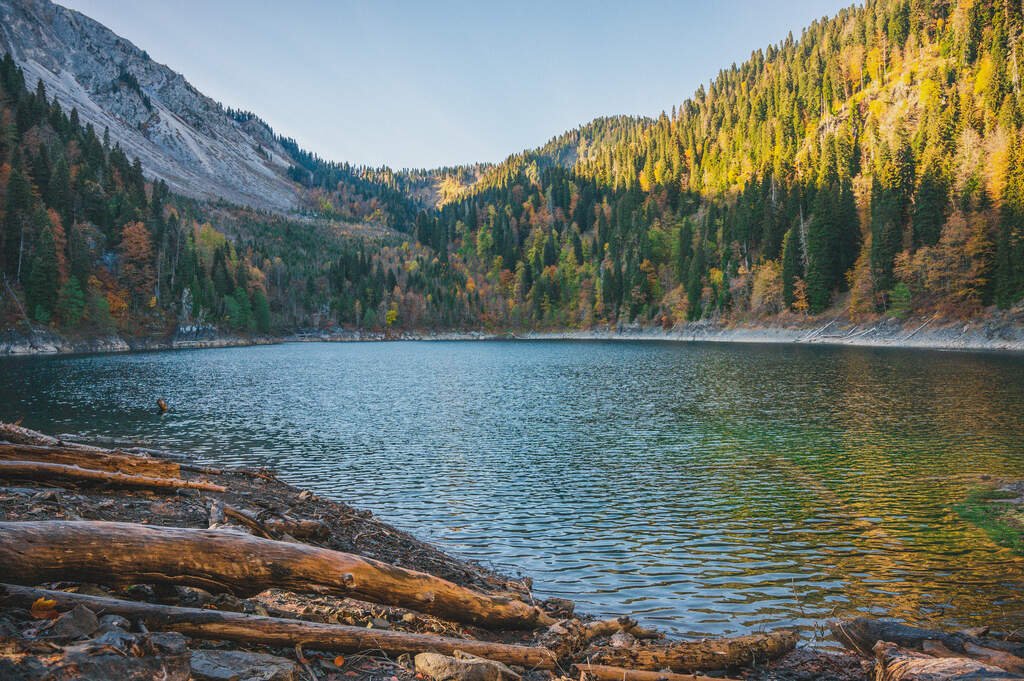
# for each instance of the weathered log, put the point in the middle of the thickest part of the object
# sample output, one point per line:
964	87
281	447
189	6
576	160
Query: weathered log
270	527
64	474
17	434
689	656
894	663
998	658
274	631
601	672
861	633
97	460
216	560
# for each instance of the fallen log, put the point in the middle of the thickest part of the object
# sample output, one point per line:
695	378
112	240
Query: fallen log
218	560
894	663
17	434
689	656
274	631
861	633
998	658
61	473
600	672
96	460
270	527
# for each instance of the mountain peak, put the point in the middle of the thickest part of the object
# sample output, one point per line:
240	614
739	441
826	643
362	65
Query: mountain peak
182	136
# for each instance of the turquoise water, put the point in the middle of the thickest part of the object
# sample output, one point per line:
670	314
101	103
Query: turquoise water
707	488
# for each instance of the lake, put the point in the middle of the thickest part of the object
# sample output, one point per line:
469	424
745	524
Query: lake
707	488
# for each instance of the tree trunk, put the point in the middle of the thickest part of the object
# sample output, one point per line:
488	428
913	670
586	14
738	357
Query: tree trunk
688	656
897	664
274	631
60	473
126	553
861	634
96	460
602	672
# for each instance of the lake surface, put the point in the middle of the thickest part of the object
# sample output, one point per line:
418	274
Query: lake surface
707	488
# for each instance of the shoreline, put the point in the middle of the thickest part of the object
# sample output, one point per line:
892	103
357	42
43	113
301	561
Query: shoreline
1003	333
135	620
82	488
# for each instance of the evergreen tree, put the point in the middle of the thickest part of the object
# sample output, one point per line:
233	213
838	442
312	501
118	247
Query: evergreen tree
792	266
71	302
41	287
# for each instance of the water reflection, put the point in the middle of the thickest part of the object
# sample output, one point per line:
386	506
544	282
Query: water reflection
712	489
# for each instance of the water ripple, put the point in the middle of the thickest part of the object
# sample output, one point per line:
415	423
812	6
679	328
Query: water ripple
709	489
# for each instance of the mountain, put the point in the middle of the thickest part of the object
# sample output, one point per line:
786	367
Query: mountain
870	168
181	136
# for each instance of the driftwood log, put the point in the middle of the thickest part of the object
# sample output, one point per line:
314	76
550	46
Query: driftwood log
57	473
116	462
600	672
689	656
300	528
894	663
274	631
218	560
862	633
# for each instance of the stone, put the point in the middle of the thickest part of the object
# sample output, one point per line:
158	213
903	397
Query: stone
74	624
237	665
463	667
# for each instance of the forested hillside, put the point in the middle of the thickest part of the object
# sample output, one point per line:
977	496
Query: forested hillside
872	166
89	247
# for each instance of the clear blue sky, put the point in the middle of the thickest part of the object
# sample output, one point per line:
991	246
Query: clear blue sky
424	84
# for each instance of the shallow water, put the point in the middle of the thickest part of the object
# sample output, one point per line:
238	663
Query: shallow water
707	488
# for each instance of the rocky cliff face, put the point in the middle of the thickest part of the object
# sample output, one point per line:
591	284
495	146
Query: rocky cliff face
180	135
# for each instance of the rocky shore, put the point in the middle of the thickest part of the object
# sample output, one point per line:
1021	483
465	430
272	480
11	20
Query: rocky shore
136	564
1000	332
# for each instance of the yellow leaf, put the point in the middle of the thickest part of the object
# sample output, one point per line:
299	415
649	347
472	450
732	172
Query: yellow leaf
44	609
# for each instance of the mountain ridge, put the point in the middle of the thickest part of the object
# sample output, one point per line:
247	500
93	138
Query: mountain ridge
181	135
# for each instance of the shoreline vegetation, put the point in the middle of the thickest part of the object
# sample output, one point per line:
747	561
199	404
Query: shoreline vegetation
998	509
144	563
1002	333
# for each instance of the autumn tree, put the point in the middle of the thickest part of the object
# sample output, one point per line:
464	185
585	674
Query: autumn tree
137	272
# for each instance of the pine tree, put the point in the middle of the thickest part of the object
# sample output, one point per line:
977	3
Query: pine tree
930	207
792	266
822	250
41	287
70	302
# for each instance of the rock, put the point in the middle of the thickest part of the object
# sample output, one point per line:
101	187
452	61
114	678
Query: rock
111	622
179	134
115	655
462	668
622	639
237	665
380	623
73	624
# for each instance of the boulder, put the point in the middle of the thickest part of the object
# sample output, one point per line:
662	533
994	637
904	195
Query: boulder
238	665
462	667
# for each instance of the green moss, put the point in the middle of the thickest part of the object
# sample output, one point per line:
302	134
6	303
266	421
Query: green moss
1002	522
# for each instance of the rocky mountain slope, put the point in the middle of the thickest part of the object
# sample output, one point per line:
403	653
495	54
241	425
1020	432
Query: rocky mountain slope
179	134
